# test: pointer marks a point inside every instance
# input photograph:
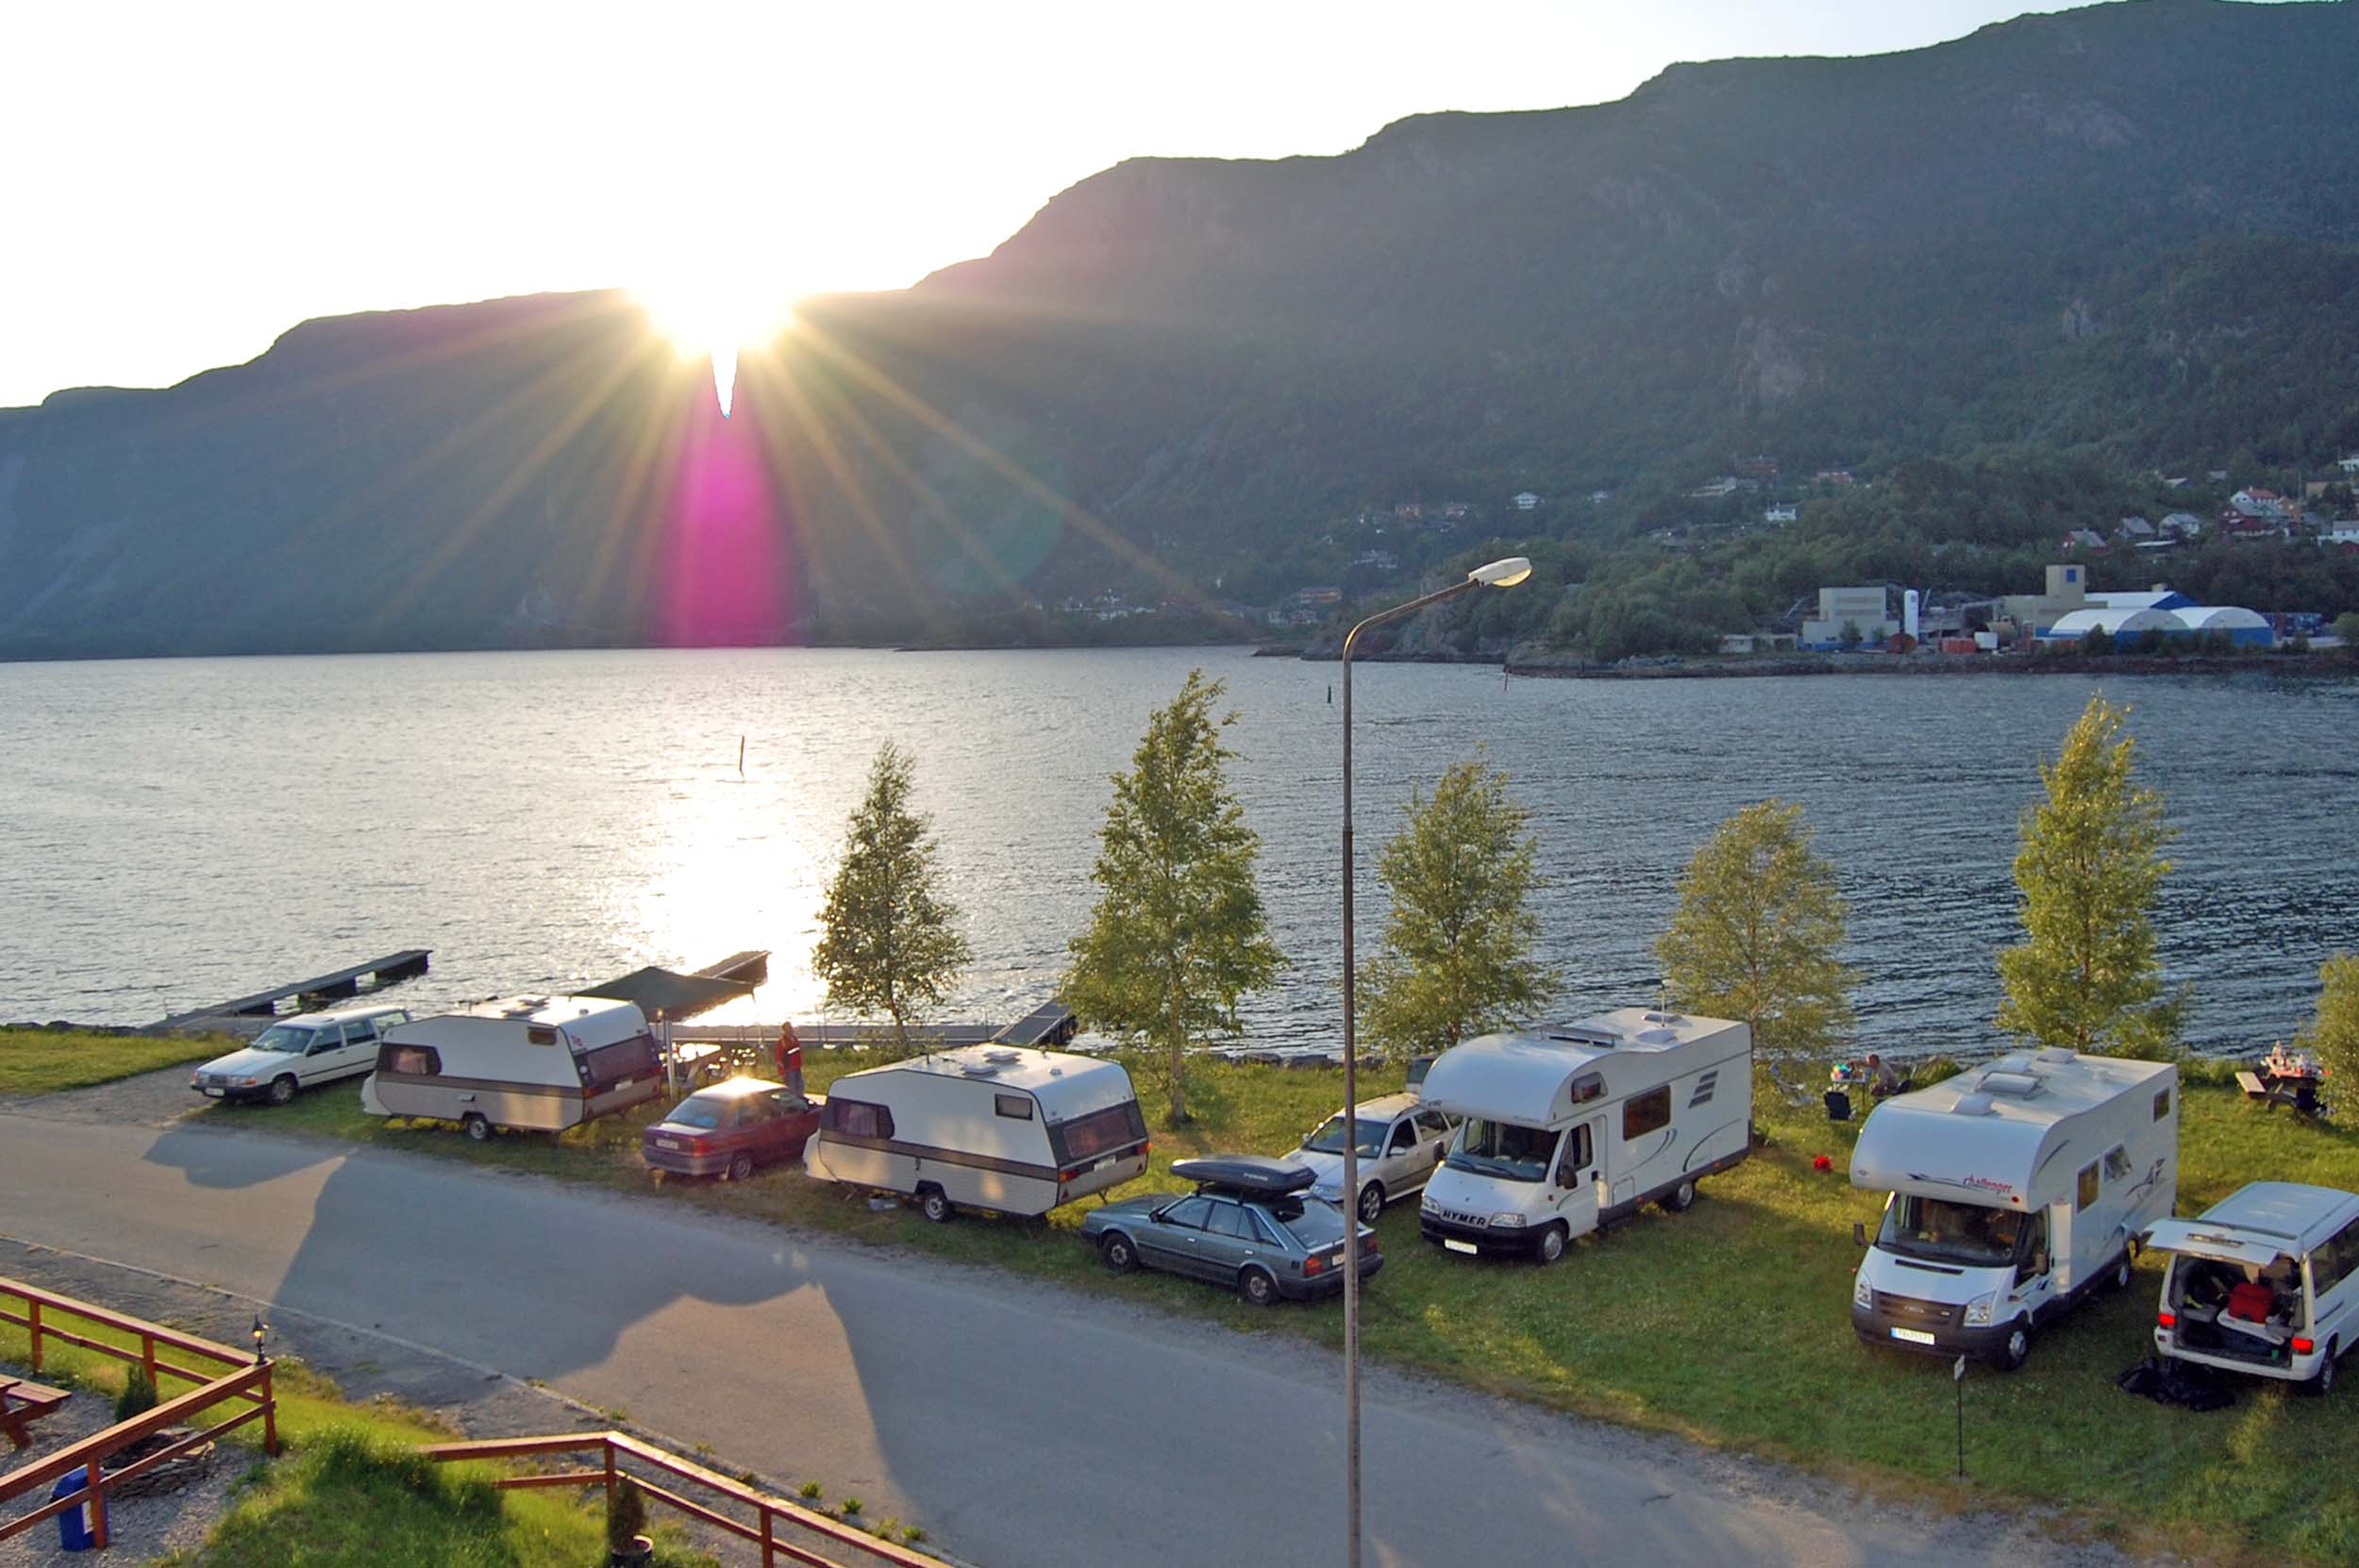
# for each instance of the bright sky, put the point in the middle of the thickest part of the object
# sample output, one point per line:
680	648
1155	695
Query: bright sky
185	182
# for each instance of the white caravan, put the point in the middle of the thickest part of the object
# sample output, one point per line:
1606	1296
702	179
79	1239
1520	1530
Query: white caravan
542	1063
1574	1129
984	1126
2015	1190
2267	1282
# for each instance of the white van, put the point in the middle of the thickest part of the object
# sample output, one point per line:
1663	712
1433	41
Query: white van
299	1053
1575	1129
987	1126
2015	1190
540	1063
2265	1282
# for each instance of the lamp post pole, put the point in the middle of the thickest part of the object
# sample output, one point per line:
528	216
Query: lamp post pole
1501	574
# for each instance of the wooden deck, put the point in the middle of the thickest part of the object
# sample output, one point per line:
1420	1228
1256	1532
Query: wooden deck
249	1014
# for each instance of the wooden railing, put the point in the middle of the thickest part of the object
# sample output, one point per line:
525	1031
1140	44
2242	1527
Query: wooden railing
613	1447
231	1375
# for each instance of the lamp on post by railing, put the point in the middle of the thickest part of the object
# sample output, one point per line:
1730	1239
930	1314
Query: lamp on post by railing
260	1332
1498	574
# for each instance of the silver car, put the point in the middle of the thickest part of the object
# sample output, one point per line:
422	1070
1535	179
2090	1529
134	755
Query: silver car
1401	1140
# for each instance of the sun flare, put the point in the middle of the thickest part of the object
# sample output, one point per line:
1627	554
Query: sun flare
718	317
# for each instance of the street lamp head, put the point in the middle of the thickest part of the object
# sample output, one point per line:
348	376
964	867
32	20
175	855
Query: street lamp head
1502	573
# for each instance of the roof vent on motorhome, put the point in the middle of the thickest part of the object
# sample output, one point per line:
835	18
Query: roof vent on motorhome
1655	1037
980	1069
1663	1016
2018	1084
1003	1055
1972	1104
2055	1055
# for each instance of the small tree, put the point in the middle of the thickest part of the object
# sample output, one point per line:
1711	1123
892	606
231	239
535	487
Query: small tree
1177	936
1755	933
625	1516
1457	955
2086	975
891	942
1852	636
138	1396
2333	1032
2097	641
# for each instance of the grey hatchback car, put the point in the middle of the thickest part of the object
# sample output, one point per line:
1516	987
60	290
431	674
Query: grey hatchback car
1248	1224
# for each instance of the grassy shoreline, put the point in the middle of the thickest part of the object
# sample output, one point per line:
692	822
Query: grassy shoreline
1728	1325
43	1061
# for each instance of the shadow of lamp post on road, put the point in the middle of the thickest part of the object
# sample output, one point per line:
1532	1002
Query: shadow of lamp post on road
1498	574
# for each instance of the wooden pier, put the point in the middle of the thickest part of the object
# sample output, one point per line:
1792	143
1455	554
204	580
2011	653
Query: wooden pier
1045	1026
251	1014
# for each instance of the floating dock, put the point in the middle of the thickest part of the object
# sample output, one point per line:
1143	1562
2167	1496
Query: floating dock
1051	1025
251	1014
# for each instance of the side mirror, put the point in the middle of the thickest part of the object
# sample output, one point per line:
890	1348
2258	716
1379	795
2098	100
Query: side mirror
1858	1233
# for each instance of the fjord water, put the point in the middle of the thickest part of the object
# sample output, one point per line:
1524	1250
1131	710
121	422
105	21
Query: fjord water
175	832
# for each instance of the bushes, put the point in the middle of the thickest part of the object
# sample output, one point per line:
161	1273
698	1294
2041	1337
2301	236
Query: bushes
138	1396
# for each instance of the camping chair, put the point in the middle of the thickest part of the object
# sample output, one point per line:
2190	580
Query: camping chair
1838	1106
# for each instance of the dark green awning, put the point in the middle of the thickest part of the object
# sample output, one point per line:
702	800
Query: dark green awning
674	995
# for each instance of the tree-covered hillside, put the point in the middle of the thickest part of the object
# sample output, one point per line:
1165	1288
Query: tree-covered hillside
2125	238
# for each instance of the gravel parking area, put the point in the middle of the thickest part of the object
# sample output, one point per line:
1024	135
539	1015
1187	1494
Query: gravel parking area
148	1100
140	1529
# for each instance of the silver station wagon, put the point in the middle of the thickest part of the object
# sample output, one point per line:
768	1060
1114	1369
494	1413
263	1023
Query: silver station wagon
1248	1224
299	1053
1400	1140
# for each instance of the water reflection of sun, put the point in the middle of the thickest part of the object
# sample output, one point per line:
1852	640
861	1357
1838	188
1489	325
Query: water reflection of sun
730	863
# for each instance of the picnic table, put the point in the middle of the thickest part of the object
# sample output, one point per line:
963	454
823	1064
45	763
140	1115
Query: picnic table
2283	1077
24	1401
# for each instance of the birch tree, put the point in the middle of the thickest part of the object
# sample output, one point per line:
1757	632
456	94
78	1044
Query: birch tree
2086	975
1177	937
891	942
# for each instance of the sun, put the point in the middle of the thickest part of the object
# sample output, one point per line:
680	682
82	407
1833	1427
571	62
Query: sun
717	315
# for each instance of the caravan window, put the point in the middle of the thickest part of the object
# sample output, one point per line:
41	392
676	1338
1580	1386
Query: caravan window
2087	1192
1589	1086
1016	1108
1100	1132
2162	1104
537	1035
423	1061
2117	1164
608	1065
1645	1113
857	1119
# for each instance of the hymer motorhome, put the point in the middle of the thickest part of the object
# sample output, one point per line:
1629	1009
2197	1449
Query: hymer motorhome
2016	1191
1574	1129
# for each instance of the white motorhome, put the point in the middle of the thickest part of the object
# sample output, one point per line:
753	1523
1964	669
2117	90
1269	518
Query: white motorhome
2015	1190
983	1127
1574	1129
540	1063
2265	1282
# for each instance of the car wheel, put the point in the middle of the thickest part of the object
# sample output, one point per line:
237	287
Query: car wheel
1119	1254
1681	1198
2016	1348
741	1166
282	1088
934	1205
1371	1203
2321	1383
1258	1286
476	1126
1551	1247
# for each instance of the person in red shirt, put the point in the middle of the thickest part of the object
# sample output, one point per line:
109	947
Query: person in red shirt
790	1053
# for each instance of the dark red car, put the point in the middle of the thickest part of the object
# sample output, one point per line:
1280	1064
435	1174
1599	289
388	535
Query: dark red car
729	1128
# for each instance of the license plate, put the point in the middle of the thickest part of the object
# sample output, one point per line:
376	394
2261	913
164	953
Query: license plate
212	1093
1456	1245
667	1143
1914	1336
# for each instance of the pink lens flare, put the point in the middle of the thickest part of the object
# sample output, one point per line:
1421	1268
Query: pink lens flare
725	548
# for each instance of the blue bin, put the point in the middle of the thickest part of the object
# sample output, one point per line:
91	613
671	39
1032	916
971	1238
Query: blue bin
73	1524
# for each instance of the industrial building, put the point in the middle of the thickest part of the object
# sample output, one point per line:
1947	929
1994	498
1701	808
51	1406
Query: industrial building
1864	609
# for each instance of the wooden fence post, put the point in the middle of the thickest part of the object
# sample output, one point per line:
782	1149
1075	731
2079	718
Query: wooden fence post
147	1355
98	1504
608	1446
769	1539
270	1415
32	1310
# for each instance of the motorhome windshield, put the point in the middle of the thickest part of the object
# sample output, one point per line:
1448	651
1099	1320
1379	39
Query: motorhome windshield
1367	1134
1938	1230
1502	1149
282	1040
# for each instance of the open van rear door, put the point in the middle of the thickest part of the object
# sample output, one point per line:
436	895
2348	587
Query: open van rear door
2220	1242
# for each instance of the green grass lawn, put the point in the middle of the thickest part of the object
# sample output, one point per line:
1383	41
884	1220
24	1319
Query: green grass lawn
1729	1324
42	1061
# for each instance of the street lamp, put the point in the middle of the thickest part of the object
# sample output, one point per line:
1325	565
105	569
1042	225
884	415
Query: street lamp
260	1332
1498	573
